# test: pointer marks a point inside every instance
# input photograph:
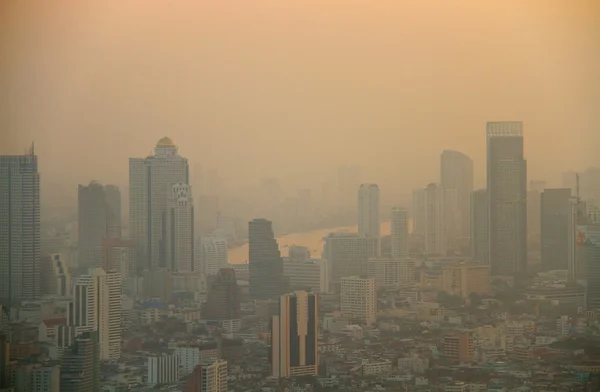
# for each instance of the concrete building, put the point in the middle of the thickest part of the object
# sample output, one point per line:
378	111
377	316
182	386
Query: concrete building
588	244
20	228
209	377
119	255
79	367
459	347
99	217
399	232
38	378
479	226
466	278
309	275
162	369
456	174
359	299
55	277
418	211
224	297
436	239
149	181
294	336
347	255
97	308
507	196
577	228
178	233
389	273
266	266
369	224
555	228
211	253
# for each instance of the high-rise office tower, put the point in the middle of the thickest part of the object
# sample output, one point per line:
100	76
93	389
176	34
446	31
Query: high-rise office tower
211	254
359	299
348	255
79	370
555	228
348	180
588	244
19	228
294	336
368	211
418	211
435	229
576	237
97	306
534	210
209	377
149	182
178	235
266	266
99	214
399	232
479	226
507	196
457	174
224	297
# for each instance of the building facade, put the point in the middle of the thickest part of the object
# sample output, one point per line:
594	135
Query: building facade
399	232
555	228
456	173
347	255
369	224
359	299
294	336
507	196
266	265
178	233
479	226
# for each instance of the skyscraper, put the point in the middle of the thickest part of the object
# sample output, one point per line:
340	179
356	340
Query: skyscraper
555	228
479	226
435	230
577	223
99	217
266	266
368	211
98	309
19	228
211	254
359	299
294	336
507	195
149	182
399	232
348	255
209	377
456	173
79	370
178	234
418	211
224	297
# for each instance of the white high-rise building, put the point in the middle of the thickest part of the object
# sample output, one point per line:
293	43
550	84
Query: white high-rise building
435	236
391	272
399	232
368	211
359	299
178	235
149	182
211	254
456	175
418	211
163	369
97	303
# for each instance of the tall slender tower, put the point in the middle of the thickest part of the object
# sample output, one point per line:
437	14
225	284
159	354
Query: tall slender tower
507	195
554	226
99	217
149	182
368	211
479	226
19	228
435	229
456	173
178	236
294	336
399	229
266	266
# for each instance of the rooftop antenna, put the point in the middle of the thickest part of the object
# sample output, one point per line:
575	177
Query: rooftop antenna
32	149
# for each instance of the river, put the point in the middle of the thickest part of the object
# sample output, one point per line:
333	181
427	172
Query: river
311	239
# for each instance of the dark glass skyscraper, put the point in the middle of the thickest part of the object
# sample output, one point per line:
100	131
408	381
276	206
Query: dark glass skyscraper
224	298
507	196
19	228
266	266
554	228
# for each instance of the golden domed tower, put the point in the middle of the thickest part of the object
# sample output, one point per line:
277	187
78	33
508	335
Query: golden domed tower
165	147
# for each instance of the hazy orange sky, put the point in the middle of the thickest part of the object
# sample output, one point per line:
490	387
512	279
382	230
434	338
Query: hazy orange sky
297	88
